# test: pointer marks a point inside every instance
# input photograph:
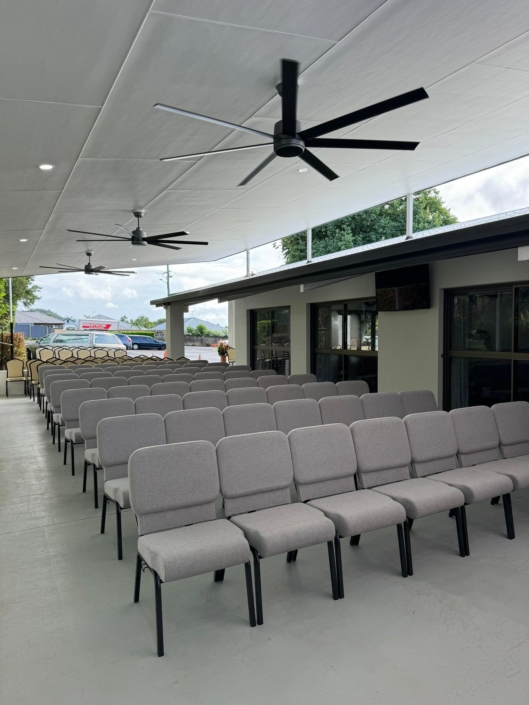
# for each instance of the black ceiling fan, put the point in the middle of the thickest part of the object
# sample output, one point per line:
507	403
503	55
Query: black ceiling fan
289	141
89	268
139	237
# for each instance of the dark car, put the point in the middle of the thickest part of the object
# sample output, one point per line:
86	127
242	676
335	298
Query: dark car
146	342
127	342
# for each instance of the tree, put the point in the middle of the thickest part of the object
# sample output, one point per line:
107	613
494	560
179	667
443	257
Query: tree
381	222
142	322
124	319
201	330
48	312
25	292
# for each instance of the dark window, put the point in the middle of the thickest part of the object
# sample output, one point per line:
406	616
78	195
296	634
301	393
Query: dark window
270	339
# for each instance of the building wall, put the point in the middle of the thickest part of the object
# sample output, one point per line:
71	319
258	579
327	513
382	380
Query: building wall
410	342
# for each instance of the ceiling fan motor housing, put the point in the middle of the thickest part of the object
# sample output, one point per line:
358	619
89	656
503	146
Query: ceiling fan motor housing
287	145
138	238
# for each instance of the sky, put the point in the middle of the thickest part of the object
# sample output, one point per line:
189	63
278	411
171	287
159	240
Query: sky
496	190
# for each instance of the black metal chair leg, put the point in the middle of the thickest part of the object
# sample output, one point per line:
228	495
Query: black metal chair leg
339	569
407	543
65	458
464	529
332	567
402	551
410	523
72	456
451	514
258	592
249	593
219	575
460	540
507	509
137	581
294	555
85	473
289	557
96	491
118	531
495	500
355	540
159	617
103	514
58	438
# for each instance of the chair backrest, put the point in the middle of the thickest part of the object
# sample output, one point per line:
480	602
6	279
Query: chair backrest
284	392
95	374
512	421
341	409
64	353
52	370
263	373
119	437
161	404
33	367
191	370
209	375
132	391
417	402
433	442
127	374
200	400
99	352
139	368
255	471
82	353
179	388
249	418
240	368
231	354
206	385
15	367
237	374
380	405
324	461
60	386
478	440
319	390
49	379
218	365
110	366
120	353
250	395
178	377
240	383
353	386
195	425
45	354
200	363
109	382
91	413
301	379
173	485
71	400
149	380
382	451
272	381
296	413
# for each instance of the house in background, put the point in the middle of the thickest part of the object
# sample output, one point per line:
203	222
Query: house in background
34	324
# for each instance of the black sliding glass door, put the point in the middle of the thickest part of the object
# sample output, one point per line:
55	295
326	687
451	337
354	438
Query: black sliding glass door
270	339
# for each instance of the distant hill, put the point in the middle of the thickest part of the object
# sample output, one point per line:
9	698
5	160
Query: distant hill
48	312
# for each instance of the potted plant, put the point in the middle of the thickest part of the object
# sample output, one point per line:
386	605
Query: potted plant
222	350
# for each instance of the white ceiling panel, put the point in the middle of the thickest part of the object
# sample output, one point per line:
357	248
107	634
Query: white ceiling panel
10	242
513	55
26	210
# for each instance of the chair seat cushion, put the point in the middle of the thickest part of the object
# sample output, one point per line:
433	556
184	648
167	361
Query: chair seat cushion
118	490
194	550
474	483
421	497
74	435
92	456
354	513
16	379
57	418
517	469
285	528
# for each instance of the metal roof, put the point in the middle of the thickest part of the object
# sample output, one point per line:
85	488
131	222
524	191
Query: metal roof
35	318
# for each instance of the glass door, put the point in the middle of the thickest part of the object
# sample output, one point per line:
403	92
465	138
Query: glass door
270	339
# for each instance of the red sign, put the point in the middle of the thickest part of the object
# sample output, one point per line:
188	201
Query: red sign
96	326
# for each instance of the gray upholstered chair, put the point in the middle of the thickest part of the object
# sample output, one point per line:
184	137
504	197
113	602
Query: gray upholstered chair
199	400
178	377
237	374
240	368
56	389
301	379
240	383
117	439
255	477
284	392
272	381
250	395
263	373
324	462
71	401
191	370
210	375
199	363
173	489
95	374
207	385
249	418
341	409
380	405
358	387
141	368
296	413
383	458
128	373
109	366
218	366
132	391
194	425
147	379
161	404
109	382
417	402
45	394
90	414
319	390
512	421
179	388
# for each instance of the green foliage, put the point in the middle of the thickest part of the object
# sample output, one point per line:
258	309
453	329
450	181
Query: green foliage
150	333
25	292
5	350
201	330
48	312
382	222
142	322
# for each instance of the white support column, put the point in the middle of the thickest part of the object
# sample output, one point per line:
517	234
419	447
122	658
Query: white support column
409	215
309	244
174	332
247	263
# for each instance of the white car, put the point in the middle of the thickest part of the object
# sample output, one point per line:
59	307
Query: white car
79	339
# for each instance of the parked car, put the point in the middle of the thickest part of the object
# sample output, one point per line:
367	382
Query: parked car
127	342
146	342
78	339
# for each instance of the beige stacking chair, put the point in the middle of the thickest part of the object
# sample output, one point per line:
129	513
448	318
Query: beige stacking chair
15	373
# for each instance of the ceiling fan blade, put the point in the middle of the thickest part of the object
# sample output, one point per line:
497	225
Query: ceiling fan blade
289	95
121	271
179	242
107	241
372	111
86	232
83	232
257	169
121	227
360	144
57	269
313	161
68	266
152	238
115	274
215	121
215	151
168	247
98	269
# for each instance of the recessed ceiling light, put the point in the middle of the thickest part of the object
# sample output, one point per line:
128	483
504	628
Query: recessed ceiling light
303	170
14	267
46	167
23	239
134	259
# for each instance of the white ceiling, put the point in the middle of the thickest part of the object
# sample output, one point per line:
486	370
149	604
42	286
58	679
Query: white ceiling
79	81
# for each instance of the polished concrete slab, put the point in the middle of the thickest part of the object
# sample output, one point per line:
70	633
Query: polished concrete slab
455	632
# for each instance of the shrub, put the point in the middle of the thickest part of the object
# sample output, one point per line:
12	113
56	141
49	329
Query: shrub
5	350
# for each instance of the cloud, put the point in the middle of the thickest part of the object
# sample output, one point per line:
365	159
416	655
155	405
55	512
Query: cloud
129	293
111	305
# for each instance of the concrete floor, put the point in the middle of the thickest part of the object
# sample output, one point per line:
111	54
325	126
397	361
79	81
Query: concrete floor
456	632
